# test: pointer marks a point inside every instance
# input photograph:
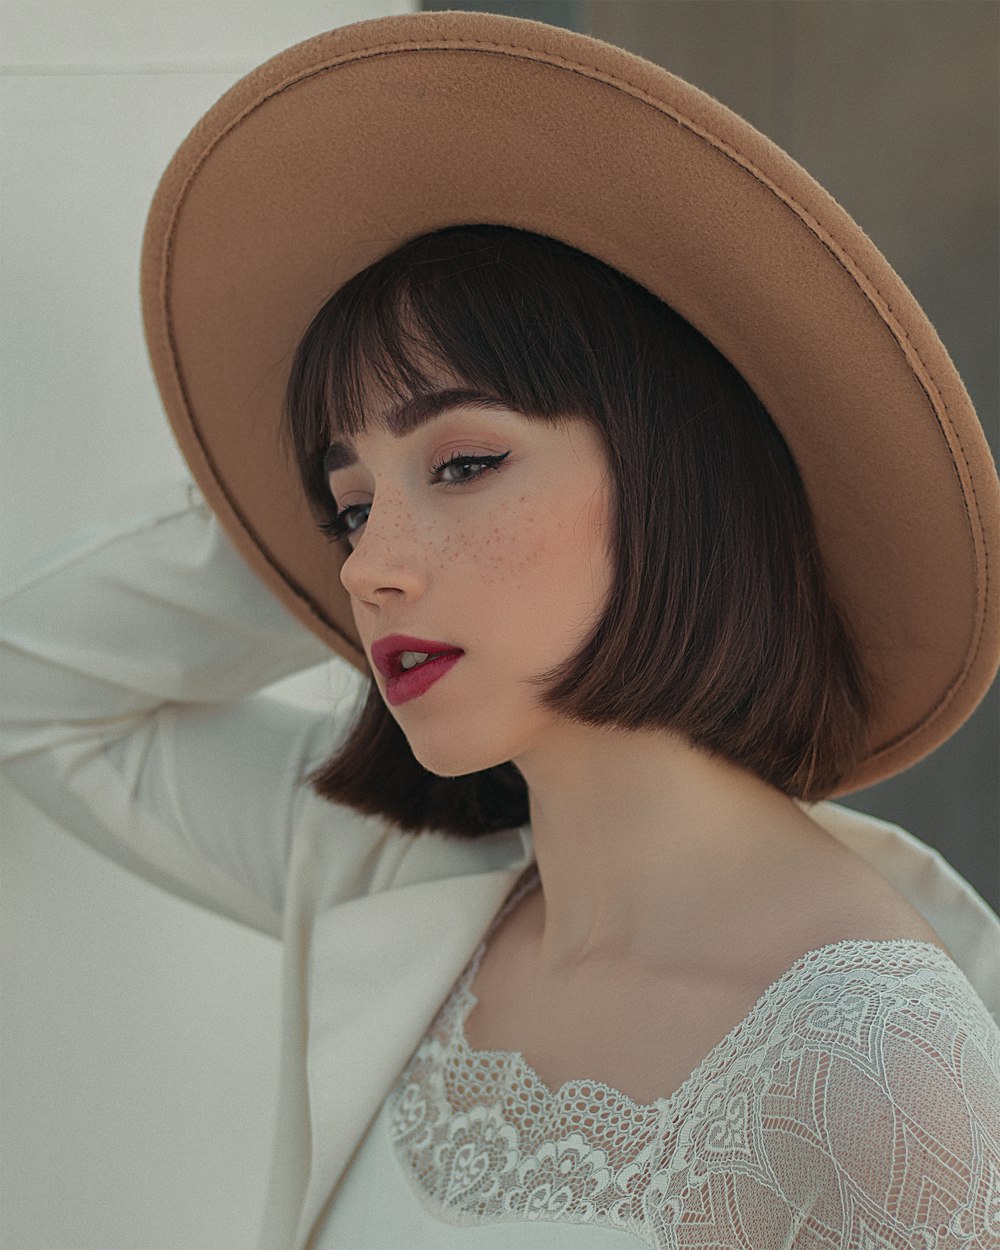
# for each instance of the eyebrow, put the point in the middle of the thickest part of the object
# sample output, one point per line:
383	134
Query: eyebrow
412	414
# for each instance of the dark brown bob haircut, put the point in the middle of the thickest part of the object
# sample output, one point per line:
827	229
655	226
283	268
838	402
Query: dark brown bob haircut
720	626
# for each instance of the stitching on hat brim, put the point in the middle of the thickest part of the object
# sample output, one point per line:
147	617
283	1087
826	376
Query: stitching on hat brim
862	281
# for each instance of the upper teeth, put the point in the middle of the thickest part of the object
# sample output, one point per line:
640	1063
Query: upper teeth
410	659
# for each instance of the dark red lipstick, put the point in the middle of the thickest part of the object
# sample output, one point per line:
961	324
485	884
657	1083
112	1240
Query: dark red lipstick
405	684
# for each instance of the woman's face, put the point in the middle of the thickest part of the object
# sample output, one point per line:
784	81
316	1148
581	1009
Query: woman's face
509	563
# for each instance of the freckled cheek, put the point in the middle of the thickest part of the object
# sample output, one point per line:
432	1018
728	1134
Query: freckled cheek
516	542
491	545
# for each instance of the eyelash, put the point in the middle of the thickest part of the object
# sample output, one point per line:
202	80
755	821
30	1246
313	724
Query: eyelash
336	528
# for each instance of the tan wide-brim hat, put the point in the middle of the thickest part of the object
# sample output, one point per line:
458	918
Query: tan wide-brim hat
339	149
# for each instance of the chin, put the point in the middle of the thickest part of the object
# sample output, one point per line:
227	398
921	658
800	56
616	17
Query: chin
456	758
461	764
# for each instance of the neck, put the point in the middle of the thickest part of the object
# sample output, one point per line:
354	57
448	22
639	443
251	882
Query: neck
648	848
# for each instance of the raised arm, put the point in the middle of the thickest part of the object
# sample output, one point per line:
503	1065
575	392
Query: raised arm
129	712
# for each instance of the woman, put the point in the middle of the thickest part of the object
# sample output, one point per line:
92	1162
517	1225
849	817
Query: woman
566	941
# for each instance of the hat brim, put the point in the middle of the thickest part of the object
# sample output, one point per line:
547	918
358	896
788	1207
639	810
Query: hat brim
341	148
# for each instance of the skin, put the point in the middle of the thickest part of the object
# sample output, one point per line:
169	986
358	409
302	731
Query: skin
647	848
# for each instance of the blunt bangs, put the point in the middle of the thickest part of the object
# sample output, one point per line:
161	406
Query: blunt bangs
480	307
720	626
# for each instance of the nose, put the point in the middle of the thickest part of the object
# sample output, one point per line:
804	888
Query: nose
384	560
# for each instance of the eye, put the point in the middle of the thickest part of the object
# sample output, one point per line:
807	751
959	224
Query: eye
336	528
466	463
339	528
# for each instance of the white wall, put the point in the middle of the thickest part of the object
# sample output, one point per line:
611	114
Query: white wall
139	1033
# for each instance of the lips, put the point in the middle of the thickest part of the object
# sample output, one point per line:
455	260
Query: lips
386	651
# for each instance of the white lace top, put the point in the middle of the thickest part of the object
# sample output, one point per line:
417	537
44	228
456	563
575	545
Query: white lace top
856	1107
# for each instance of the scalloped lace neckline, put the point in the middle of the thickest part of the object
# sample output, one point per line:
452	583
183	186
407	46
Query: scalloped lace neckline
463	999
483	1140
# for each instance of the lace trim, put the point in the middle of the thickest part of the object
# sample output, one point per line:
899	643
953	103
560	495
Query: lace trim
482	1139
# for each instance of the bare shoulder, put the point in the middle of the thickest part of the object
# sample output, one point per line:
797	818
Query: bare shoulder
833	895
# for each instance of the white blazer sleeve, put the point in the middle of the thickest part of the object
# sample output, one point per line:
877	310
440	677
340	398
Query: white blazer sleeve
129	717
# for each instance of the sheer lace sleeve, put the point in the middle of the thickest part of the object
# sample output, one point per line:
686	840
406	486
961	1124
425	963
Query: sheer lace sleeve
877	1122
908	1114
